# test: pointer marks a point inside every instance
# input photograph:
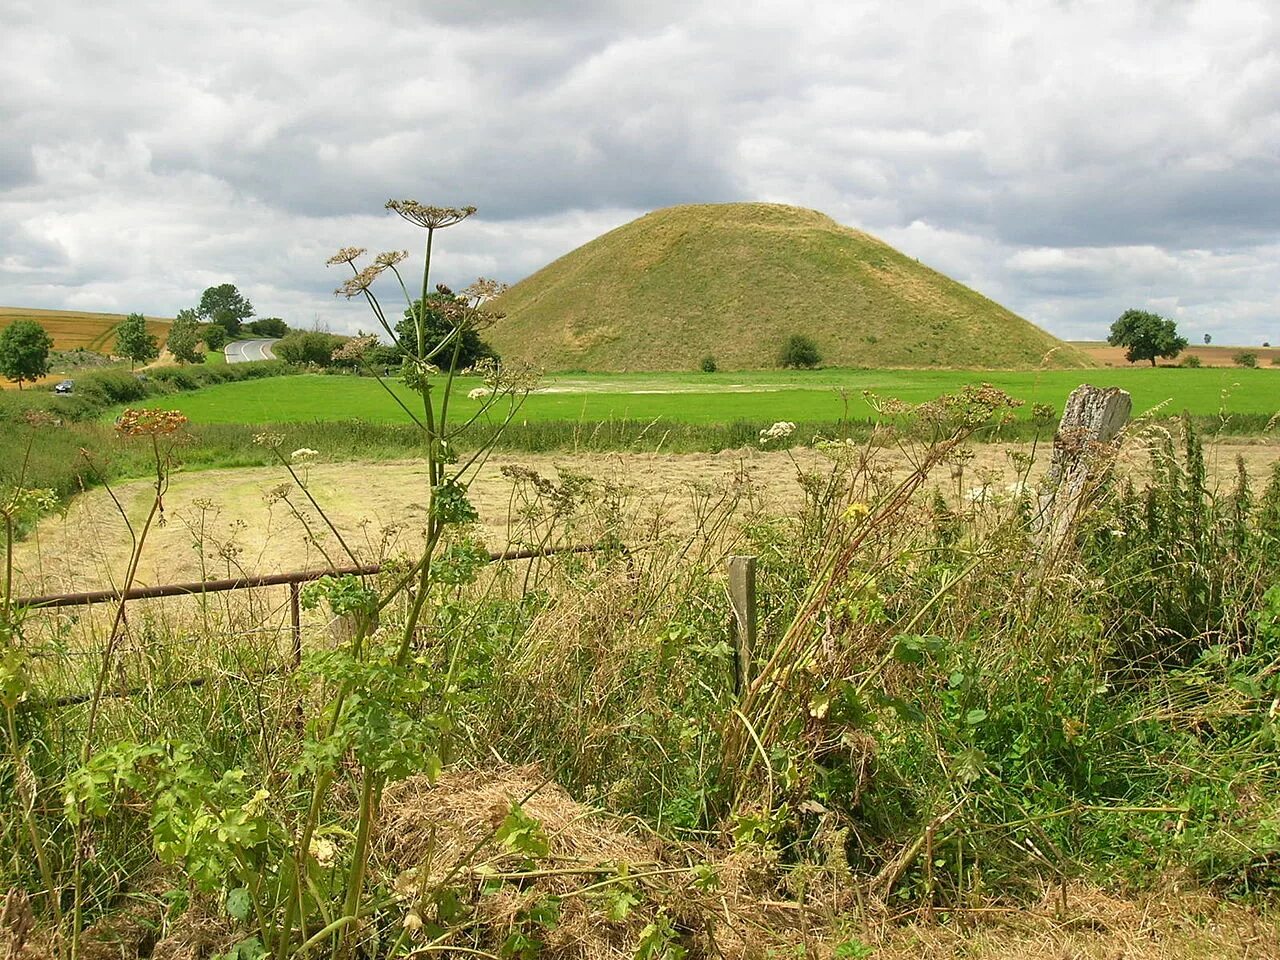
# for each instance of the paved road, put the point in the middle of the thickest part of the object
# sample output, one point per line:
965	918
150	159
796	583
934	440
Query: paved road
242	351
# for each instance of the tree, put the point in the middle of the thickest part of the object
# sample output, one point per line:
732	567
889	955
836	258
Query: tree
269	327
133	340
226	306
1146	336
1208	339
445	310
214	336
799	351
24	351
184	338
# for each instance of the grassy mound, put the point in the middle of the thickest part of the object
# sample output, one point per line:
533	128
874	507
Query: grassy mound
72	329
733	281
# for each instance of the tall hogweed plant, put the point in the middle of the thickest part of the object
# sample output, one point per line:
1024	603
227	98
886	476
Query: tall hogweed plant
287	852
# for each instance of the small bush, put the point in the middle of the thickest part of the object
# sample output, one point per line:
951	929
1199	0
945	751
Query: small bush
1191	360
1245	358
800	352
708	364
313	346
214	336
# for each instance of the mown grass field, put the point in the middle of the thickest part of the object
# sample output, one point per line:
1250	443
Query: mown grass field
822	395
74	328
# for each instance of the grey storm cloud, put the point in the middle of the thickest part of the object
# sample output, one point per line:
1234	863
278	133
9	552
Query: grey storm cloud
1070	158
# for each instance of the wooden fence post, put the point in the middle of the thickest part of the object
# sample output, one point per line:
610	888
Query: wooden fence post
742	628
1082	451
295	621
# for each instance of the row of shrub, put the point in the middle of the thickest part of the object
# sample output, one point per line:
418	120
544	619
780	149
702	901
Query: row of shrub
96	392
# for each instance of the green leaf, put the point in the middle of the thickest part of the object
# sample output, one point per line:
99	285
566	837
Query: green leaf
975	716
238	904
914	649
853	949
521	833
619	905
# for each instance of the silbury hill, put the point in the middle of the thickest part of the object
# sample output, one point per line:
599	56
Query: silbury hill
733	281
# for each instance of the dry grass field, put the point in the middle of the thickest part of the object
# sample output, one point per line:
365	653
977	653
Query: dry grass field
1106	355
73	328
379	510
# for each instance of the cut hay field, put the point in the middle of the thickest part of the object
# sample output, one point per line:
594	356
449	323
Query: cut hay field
74	328
727	397
1103	353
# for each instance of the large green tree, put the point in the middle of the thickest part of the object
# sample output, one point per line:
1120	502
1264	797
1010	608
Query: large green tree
1146	336
225	306
133	340
184	337
445	310
24	351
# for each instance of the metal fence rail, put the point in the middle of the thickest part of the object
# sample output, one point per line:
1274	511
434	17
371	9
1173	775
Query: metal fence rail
291	579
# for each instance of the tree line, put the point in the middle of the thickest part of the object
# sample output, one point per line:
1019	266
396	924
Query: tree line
224	313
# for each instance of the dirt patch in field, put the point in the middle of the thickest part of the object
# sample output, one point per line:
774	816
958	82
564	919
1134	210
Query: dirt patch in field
220	523
1210	356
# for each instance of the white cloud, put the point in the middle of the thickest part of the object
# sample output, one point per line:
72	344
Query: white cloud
1069	158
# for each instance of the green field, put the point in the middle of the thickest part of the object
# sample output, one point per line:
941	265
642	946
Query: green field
727	397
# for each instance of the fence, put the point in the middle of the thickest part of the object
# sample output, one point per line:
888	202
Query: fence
293	580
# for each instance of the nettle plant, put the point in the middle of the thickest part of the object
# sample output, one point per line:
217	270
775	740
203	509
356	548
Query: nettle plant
287	855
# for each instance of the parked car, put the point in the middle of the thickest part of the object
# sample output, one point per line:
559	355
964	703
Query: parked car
65	386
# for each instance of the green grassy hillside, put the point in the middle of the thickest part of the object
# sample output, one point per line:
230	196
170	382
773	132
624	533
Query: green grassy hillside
732	281
74	328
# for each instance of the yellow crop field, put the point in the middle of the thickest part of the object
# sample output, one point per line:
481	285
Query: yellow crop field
73	328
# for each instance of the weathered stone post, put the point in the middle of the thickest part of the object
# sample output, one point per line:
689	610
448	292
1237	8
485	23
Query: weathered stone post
1083	449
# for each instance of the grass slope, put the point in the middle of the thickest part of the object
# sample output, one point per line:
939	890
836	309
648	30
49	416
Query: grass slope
733	280
73	328
726	398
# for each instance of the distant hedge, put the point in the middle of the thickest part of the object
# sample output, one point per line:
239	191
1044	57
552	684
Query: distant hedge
97	391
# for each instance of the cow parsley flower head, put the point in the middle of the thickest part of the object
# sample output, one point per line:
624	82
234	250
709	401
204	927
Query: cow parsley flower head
345	255
362	281
479	393
779	431
429	217
304	455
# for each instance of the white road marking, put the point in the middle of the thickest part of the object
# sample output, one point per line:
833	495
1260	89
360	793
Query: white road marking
244	351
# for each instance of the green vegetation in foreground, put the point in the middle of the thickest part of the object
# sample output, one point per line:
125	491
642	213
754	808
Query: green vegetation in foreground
733	281
724	398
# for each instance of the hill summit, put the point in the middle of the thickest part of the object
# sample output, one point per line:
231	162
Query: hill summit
733	281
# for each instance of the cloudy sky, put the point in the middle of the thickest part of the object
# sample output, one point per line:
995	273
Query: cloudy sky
1069	158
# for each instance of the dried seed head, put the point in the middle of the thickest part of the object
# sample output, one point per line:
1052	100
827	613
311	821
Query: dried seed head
41	418
345	255
390	258
356	347
354	286
432	218
483	289
137	423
